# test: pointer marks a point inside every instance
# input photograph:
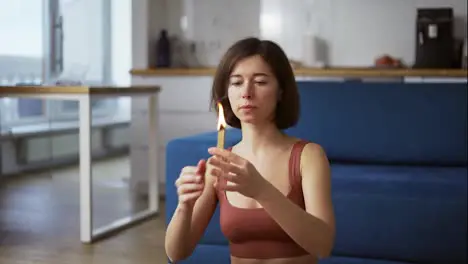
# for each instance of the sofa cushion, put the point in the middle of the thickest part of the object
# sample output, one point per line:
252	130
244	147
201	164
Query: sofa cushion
402	213
414	214
399	123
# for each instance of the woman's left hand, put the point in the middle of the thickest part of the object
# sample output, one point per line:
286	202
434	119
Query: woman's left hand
239	172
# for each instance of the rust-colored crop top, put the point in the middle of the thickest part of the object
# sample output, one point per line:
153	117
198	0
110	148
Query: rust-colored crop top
252	233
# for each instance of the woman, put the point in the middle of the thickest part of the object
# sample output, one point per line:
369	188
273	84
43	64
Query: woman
273	190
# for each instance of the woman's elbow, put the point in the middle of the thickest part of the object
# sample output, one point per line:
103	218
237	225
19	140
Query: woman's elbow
320	250
325	253
175	258
326	249
178	254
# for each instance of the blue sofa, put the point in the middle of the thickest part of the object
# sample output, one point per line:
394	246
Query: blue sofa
399	170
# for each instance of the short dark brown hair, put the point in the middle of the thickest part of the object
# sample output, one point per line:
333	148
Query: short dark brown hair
287	109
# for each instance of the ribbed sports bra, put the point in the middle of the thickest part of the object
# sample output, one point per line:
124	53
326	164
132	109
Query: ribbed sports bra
252	233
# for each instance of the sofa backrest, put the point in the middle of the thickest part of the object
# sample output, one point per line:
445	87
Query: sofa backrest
421	207
404	123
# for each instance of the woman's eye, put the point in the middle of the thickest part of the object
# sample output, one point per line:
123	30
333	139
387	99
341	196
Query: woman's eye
236	83
261	82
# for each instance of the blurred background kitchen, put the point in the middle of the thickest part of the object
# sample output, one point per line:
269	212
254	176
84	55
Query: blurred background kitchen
334	33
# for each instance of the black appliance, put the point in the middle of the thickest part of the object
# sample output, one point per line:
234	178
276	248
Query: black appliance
435	44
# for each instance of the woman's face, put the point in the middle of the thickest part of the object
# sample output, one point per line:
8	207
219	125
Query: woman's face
253	91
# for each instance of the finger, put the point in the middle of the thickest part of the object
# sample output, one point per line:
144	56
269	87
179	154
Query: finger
216	172
189	169
219	184
225	166
231	188
188	178
226	187
189	188
230	156
201	167
190	196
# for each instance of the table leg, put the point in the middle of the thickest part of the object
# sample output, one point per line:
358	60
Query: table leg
90	234
153	148
85	170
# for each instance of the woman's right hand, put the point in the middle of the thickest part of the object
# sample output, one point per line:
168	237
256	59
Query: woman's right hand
191	183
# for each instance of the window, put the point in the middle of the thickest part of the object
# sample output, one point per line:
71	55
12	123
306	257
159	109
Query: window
90	65
21	56
50	41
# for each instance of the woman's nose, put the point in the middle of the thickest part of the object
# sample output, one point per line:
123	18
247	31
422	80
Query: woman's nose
247	91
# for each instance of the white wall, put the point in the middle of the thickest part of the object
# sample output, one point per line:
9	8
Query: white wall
148	17
121	39
365	29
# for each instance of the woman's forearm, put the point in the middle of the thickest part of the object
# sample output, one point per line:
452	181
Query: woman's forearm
189	222
177	241
308	231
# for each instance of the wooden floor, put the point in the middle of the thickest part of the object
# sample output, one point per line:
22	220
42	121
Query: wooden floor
39	219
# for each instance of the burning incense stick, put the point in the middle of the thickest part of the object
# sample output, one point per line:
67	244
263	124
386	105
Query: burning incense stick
221	126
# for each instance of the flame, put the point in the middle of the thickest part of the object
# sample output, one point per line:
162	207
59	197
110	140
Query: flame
221	120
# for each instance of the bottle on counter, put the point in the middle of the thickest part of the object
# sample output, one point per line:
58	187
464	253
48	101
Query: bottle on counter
163	50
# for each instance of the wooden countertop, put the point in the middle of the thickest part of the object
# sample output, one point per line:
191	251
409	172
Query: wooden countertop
318	72
78	90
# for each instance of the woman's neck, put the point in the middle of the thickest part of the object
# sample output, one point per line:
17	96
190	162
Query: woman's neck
259	138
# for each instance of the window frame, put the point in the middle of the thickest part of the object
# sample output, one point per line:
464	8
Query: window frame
54	110
107	108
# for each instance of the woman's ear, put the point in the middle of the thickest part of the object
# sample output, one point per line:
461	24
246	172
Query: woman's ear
280	94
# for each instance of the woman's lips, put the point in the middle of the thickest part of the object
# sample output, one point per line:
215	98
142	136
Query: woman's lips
247	107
